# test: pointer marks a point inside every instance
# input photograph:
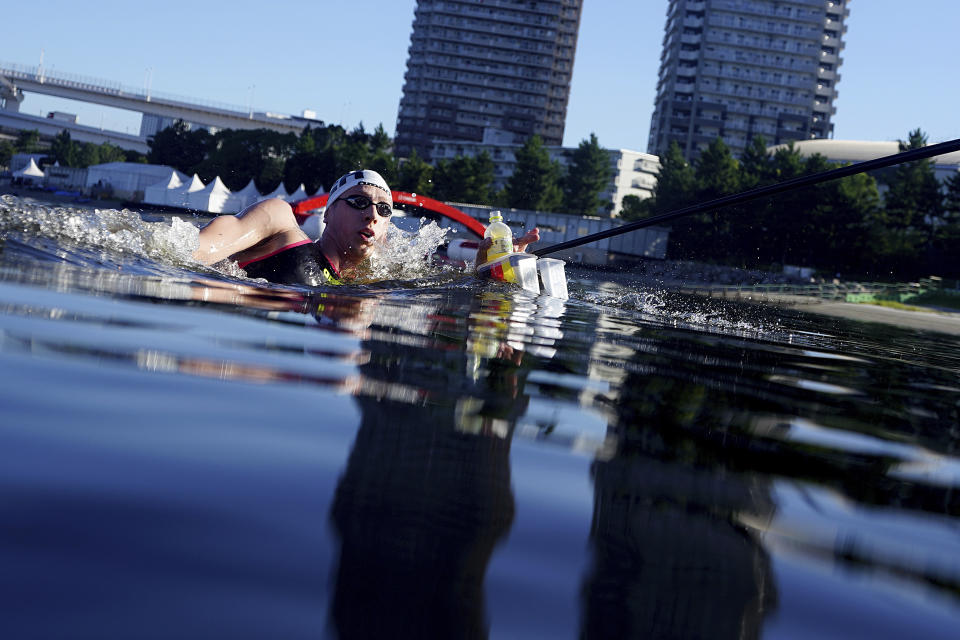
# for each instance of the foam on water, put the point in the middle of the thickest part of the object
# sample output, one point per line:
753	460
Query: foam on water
404	256
668	307
122	232
407	255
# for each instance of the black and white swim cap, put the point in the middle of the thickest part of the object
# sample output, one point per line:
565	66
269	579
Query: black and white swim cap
352	179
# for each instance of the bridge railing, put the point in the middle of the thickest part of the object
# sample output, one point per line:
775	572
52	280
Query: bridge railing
108	87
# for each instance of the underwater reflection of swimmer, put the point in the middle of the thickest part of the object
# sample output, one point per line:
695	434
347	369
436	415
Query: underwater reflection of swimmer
426	495
672	557
418	510
333	311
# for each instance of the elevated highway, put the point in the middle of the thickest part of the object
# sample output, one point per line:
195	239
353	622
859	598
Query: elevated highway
18	80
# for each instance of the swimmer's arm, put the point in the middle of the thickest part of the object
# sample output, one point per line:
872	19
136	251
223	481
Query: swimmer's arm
227	235
518	245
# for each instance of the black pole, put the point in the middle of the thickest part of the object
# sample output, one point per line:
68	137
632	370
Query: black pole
760	192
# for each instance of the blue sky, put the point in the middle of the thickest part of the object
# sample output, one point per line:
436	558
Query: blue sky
345	61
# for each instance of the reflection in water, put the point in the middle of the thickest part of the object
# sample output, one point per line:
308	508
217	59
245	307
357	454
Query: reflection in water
704	457
670	557
418	511
826	451
426	494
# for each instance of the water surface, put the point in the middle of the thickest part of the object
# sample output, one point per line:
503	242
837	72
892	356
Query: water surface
189	453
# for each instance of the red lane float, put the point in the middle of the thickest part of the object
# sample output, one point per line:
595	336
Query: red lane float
408	201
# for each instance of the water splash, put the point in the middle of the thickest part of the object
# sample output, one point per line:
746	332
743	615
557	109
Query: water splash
407	255
115	231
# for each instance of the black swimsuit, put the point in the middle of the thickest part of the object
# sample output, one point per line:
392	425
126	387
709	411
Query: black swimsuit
297	263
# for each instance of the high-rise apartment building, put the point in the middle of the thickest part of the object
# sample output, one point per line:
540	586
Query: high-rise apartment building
494	70
741	68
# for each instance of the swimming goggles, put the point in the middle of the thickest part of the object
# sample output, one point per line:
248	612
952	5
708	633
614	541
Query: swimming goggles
361	202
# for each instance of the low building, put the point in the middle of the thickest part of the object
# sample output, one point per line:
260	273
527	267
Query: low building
67	178
852	151
634	173
125	180
19	161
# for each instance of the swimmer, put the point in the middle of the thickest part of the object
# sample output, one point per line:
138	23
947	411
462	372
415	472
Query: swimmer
267	242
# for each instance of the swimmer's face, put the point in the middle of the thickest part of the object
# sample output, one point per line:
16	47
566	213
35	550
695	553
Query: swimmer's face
357	231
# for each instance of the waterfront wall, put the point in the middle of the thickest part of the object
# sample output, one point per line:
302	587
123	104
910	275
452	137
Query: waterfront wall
560	227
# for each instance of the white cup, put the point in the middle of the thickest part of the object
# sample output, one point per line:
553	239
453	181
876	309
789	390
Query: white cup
553	278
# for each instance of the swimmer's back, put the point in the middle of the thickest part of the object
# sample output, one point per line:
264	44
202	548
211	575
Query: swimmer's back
299	263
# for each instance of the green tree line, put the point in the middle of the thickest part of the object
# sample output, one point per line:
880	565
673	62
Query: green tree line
319	155
843	225
65	150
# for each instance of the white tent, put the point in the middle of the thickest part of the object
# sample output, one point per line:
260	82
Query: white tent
240	200
279	192
157	193
299	194
211	198
320	191
31	172
179	197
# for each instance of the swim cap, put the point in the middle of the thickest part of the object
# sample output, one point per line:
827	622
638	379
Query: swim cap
352	179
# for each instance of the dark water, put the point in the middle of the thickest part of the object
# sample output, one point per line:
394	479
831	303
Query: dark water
185	453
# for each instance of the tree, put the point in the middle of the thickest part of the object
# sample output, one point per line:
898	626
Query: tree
716	174
415	175
354	151
179	147
239	155
380	141
754	224
838	231
64	150
635	208
383	162
6	152
588	175
314	159
481	186
675	181
534	183
451	179
911	210
947	240
28	141
89	155
785	234
464	179
110	153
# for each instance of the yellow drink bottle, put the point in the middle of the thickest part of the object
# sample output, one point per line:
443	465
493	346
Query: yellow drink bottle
501	235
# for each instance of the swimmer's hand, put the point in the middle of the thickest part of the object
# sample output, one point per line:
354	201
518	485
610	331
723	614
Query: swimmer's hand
518	245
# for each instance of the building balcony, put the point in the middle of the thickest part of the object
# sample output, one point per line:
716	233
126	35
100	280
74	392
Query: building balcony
735	125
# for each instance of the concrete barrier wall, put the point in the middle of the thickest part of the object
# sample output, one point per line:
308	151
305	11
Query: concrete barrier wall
560	227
